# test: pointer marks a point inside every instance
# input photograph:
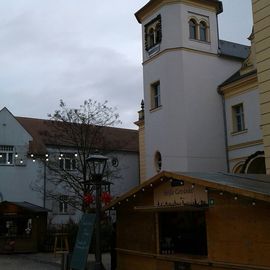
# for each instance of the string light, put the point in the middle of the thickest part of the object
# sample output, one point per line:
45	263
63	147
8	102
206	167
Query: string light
46	155
134	195
75	155
193	186
206	190
151	185
61	154
34	160
236	197
253	203
220	193
127	200
47	159
161	179
21	161
143	189
32	155
16	155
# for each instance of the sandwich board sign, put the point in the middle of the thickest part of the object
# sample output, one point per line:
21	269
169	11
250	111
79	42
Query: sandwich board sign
83	240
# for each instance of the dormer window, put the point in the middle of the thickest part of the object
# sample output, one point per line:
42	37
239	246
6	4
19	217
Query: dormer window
153	33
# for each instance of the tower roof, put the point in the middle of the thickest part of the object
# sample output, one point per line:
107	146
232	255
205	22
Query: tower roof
152	4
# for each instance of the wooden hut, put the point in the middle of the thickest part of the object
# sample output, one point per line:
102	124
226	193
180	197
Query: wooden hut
195	221
22	227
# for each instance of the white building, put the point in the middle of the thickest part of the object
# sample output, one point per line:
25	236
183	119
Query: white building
241	98
24	142
184	62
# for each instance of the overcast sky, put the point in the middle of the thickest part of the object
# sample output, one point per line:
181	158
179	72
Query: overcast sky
75	50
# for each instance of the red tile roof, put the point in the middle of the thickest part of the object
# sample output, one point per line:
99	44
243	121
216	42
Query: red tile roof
46	133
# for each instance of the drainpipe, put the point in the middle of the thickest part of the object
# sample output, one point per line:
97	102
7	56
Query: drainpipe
225	129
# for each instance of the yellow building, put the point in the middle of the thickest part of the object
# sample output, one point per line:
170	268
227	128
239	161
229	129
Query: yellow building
261	17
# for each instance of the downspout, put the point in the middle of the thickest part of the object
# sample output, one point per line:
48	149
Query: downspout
225	128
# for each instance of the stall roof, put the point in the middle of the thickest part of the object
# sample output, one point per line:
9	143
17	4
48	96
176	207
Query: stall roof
24	205
255	186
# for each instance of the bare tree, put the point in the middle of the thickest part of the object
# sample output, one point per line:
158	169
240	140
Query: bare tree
73	135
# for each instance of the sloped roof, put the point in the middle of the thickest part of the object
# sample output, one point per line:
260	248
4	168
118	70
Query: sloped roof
44	134
232	49
237	76
26	206
254	186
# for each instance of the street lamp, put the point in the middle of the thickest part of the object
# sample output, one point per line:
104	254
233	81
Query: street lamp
97	164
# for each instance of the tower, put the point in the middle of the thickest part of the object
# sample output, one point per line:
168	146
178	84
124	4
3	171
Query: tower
183	64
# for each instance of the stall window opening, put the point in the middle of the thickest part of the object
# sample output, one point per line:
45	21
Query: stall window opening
183	233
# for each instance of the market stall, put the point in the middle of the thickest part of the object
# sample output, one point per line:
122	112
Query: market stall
22	227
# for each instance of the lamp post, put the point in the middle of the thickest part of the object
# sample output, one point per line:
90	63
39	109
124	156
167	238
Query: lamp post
97	164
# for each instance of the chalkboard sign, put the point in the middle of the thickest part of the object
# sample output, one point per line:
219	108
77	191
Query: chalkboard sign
83	240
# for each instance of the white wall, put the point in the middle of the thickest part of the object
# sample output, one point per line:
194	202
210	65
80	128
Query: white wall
16	179
250	100
188	129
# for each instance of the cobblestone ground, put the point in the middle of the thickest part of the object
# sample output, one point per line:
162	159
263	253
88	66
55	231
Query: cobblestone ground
41	261
17	262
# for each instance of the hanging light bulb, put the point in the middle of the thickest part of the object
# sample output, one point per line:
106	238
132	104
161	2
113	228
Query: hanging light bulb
21	161
75	155
34	160
32	155
16	155
46	155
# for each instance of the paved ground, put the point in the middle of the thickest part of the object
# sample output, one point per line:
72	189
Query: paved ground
40	261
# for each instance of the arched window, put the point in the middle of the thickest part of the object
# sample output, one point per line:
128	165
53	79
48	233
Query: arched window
192	29
257	166
238	168
203	31
151	36
158	32
158	161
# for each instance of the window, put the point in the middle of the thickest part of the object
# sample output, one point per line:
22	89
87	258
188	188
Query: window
153	33
6	155
199	28
155	95
192	29
158	161
203	31
183	232
238	118
68	163
63	206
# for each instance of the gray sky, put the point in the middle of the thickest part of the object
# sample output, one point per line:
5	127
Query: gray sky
75	50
